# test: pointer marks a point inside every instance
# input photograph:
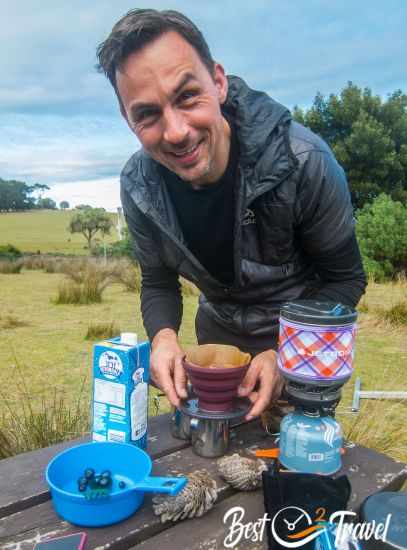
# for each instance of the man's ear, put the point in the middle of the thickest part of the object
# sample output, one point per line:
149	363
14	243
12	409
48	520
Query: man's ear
221	82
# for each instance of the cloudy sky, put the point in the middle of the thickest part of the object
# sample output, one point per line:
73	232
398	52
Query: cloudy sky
59	121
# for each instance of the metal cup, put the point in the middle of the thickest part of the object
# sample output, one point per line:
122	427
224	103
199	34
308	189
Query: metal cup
180	425
210	438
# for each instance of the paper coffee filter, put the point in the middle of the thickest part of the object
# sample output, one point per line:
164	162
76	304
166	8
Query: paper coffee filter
217	355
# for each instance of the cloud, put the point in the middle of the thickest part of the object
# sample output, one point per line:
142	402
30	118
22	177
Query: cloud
54	149
48	65
101	193
59	117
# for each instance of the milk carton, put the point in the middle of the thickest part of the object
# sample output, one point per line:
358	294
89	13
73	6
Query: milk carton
120	390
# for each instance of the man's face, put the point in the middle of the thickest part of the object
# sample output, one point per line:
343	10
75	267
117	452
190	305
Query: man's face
172	104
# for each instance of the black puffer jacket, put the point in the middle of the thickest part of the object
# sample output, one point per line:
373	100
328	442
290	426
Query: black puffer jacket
292	204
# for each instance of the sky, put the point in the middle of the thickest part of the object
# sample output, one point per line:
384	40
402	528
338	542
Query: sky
59	120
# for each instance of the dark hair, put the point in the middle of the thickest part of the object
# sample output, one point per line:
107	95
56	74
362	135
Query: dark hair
141	26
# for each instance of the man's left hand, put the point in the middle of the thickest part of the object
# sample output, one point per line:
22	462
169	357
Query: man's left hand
263	369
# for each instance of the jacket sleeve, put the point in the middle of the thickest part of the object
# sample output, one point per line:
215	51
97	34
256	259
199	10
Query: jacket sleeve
326	228
161	298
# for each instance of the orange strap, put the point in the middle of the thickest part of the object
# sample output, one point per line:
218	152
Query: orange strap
268	453
275	453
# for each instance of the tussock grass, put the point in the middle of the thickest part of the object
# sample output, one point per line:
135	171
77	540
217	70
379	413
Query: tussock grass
363	306
33	262
128	274
87	280
70	293
102	330
28	423
396	315
48	264
11	321
51	265
10	267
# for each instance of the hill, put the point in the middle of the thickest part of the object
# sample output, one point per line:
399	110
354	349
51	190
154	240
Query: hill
44	231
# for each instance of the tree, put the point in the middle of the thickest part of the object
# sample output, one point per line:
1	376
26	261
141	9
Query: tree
46	203
64	205
39	188
382	233
367	135
89	222
82	206
17	195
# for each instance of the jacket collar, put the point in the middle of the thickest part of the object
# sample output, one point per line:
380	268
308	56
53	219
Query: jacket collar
255	115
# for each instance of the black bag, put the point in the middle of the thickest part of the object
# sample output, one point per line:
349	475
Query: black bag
296	502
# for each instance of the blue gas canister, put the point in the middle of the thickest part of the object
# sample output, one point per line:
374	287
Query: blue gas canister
310	443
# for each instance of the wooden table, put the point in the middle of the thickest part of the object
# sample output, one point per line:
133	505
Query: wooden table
27	515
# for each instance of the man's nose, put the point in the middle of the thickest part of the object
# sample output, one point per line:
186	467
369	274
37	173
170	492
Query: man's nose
175	127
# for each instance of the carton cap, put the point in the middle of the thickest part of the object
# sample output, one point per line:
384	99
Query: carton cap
128	338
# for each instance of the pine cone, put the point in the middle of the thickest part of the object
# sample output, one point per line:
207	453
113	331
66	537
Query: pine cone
240	472
196	498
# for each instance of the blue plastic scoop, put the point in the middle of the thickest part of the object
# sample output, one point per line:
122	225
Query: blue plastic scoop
130	467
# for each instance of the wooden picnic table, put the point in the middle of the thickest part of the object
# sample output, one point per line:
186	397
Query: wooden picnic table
27	515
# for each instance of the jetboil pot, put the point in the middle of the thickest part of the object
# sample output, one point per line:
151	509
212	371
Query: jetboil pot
315	356
215	372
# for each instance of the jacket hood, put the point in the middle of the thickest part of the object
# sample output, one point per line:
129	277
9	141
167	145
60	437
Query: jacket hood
255	115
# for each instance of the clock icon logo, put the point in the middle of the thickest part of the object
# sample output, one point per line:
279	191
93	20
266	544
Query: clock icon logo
292	527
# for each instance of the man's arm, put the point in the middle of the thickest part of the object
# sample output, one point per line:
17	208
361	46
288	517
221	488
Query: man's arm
342	275
161	305
326	230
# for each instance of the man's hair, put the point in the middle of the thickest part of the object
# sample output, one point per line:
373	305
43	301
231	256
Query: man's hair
140	27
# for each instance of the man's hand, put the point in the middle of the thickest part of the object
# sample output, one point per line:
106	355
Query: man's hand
263	369
166	368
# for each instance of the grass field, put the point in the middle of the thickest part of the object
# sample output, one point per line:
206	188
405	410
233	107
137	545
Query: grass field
45	345
44	231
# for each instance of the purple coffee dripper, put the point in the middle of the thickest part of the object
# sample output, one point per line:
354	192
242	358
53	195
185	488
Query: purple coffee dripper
215	372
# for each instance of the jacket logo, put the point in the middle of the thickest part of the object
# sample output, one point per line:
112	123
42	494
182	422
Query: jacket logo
249	217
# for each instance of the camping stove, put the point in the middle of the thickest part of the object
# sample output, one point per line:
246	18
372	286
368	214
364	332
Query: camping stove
210	430
316	347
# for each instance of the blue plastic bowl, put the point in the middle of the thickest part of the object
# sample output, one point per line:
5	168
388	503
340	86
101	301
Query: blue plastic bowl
126	462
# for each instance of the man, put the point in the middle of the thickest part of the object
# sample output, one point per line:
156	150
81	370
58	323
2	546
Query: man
228	192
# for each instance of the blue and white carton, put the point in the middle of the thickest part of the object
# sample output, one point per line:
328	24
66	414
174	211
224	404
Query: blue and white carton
120	390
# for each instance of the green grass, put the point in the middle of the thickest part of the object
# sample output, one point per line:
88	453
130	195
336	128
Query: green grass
48	346
44	230
51	350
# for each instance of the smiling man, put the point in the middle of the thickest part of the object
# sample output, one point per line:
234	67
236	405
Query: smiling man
228	192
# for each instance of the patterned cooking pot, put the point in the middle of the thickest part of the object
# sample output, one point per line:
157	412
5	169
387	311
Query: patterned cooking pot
316	342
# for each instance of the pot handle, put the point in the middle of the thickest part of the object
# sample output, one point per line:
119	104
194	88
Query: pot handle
156	484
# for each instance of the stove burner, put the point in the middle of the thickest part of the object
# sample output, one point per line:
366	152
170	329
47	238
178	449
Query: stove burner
312	396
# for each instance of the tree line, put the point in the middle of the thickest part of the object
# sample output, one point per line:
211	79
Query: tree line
18	195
